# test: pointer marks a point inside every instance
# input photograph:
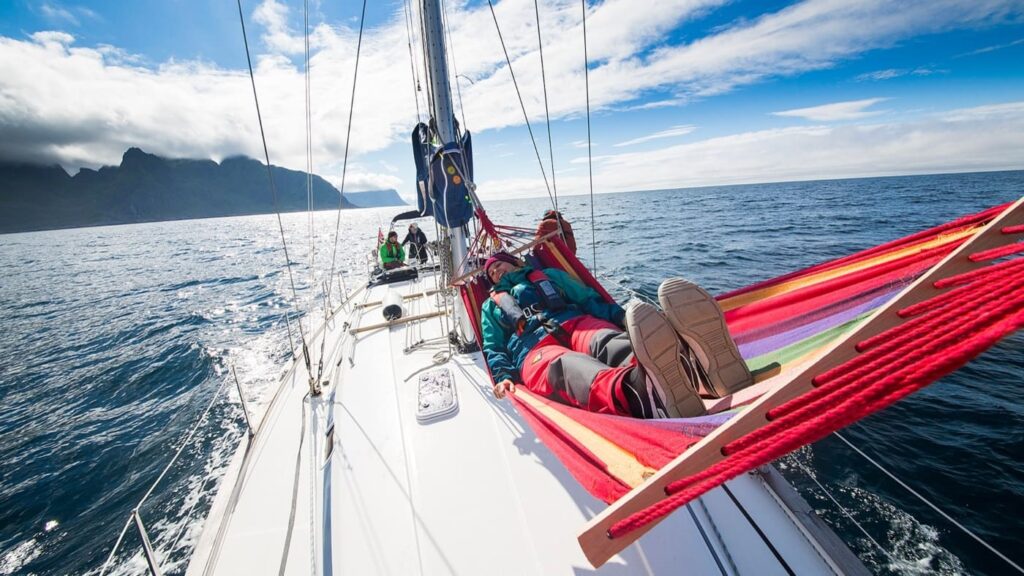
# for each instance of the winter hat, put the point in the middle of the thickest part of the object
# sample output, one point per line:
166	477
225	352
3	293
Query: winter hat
501	257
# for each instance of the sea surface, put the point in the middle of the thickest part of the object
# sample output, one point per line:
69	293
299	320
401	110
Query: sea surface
115	340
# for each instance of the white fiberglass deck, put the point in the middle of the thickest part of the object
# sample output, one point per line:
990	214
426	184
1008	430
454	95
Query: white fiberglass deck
474	492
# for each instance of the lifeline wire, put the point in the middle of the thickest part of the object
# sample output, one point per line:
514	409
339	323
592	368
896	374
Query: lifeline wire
932	506
273	189
344	172
163	473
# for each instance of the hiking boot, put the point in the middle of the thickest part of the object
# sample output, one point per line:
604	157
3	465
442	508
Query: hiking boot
657	350
698	319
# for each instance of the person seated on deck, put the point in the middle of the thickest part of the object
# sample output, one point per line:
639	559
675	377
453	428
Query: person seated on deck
417	241
550	223
561	340
392	255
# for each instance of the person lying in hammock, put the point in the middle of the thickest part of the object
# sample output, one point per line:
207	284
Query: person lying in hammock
560	339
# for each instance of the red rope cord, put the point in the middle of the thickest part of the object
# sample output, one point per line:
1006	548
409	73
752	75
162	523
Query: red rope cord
973	275
915	377
893	354
908	366
945	298
997	252
1012	229
890	349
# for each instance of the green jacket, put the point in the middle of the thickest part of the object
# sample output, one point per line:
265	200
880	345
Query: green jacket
503	348
397	254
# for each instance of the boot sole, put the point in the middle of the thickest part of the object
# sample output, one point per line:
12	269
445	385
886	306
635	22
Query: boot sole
656	347
696	316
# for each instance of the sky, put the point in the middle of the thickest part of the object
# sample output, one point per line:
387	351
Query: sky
681	92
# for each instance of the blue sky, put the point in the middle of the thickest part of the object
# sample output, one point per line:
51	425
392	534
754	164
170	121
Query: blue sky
683	92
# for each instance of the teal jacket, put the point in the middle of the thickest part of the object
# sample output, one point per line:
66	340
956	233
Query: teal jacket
505	350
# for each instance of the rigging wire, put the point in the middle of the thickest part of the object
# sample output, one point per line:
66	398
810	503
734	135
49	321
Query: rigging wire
547	114
273	188
920	497
344	173
455	70
309	162
412	60
522	105
590	158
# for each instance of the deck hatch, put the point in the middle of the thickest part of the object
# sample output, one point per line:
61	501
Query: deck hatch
436	396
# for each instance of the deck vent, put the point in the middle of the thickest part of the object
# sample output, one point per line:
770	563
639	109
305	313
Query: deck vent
436	396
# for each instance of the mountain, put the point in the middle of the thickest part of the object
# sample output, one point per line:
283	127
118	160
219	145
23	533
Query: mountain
148	188
375	198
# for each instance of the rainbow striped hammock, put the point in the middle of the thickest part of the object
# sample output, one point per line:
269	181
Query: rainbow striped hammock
804	331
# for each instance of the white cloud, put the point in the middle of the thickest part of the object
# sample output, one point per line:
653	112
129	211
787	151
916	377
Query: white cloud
973	139
838	111
58	14
83	106
670	133
993	48
890	73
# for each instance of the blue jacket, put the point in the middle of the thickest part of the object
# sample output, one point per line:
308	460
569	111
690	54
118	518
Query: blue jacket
505	350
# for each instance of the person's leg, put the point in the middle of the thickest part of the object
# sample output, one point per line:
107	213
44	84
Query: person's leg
697	317
573	378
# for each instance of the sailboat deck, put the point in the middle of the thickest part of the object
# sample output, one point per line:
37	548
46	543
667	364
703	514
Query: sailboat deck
473	492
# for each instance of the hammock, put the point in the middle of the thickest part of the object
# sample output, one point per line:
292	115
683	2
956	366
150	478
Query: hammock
789	323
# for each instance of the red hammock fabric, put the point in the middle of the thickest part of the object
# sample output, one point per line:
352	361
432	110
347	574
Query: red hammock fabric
792	315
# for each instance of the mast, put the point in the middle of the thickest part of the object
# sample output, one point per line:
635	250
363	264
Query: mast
444	118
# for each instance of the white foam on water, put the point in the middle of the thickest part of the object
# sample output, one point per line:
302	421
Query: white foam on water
913	547
12	560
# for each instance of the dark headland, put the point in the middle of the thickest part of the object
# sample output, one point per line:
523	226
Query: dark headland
148	188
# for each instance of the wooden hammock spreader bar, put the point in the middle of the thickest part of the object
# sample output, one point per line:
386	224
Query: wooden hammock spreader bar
391	323
595	540
461	279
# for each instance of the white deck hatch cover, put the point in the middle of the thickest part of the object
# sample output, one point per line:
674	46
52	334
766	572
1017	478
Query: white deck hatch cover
436	397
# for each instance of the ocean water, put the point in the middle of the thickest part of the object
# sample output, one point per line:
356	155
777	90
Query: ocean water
115	341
